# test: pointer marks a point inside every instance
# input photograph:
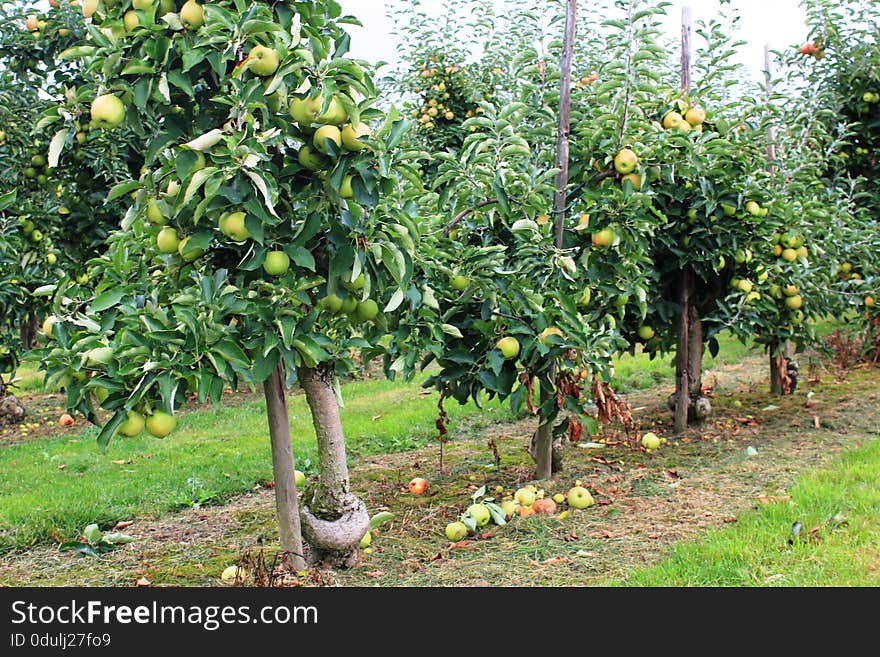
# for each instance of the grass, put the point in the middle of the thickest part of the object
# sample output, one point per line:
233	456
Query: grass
839	543
51	488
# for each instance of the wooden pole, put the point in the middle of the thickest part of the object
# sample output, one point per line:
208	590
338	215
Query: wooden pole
682	394
563	131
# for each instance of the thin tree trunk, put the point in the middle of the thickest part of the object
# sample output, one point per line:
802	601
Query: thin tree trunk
546	455
28	331
335	519
283	468
682	352
775	371
543	452
695	353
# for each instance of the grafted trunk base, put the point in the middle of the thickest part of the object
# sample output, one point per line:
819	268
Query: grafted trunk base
11	410
335	543
698	410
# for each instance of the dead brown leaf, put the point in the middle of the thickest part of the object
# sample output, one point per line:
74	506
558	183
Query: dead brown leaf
729	519
655	535
62	466
122	524
142	581
376	417
374	573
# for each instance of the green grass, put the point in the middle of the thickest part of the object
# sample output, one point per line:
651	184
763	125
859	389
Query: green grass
51	488
843	551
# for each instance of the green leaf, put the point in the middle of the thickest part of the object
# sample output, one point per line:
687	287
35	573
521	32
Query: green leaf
107	300
449	329
380	519
122	189
92	533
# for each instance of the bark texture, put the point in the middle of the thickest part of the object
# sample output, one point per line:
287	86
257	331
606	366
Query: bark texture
283	468
334	520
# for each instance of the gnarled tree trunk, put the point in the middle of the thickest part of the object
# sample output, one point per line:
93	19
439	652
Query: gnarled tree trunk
334	519
283	468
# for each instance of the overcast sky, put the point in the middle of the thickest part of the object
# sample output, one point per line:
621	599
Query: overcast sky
779	23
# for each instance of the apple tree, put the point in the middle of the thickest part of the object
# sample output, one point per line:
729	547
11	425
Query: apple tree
269	236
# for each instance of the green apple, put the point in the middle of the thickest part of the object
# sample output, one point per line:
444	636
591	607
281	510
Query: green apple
167	240
165	7
160	424
646	332
154	213
456	531
794	302
650	441
509	507
263	60
604	237
480	513
349	305
351	136
309	159
729	210
579	498
189	255
130	20
232	224
276	263
525	496
509	347
332	303
305	111
366	540
143	5
335	113
133	425
107	111
459	282
625	161
192	15
299	478
366	310
325	132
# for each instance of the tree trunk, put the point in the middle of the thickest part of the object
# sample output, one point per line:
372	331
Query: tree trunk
775	370
543	444
335	519
682	355
283	468
28	331
699	407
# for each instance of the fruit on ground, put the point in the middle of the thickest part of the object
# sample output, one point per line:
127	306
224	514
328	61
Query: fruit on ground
351	136
604	237
509	507
276	263
192	15
133	425
232	574
456	531
232	224
579	498
299	478
366	540
480	513
625	161
650	441
66	420
459	282
525	496
547	332
325	132
160	424
559	498
794	302
107	111
545	506
525	511
167	240
263	60
509	347
418	486
646	332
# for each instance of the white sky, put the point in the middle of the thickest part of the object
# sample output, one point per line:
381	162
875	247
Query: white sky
778	23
